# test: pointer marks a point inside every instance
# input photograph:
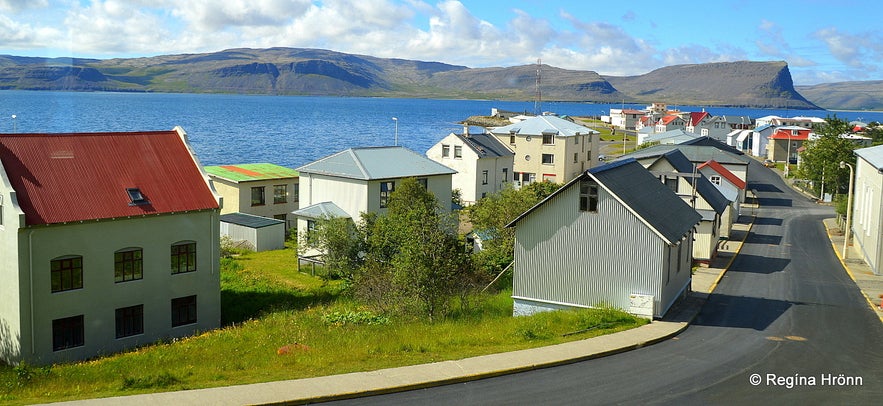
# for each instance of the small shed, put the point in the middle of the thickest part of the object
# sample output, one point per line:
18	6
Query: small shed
262	233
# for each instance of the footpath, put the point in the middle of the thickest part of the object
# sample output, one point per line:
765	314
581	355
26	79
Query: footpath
353	385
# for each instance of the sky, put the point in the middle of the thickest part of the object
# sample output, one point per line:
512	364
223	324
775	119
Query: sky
821	42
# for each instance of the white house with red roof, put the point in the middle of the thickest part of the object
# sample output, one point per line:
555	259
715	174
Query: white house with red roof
108	241
670	122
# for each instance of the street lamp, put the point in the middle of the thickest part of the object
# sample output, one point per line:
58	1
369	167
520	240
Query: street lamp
848	207
397	130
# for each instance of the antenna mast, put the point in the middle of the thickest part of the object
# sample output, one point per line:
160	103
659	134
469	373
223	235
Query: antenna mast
538	100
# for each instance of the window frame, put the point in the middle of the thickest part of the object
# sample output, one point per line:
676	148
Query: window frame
588	196
458	152
280	198
261	198
184	311
548	139
445	151
386	189
129	321
484	177
547	159
189	257
62	271
137	268
68	332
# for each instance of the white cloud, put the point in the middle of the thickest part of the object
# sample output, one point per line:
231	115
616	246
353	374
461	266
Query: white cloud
19	5
213	15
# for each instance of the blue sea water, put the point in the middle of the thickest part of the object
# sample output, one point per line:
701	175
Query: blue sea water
289	130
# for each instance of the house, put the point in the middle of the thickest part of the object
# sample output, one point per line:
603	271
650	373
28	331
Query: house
752	142
549	148
108	241
625	119
696	122
715	127
867	214
483	163
683	177
699	151
784	143
261	189
360	180
670	122
676	136
613	236
255	232
730	186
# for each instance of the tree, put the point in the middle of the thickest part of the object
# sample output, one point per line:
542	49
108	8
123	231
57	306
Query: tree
491	215
820	161
414	261
342	244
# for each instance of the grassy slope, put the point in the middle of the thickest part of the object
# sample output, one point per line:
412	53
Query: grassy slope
276	328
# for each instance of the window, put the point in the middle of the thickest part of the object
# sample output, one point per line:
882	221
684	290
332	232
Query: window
66	273
575	157
127	265
548	139
576	139
716	179
548	159
512	139
67	333
588	196
484	177
257	196
458	151
672	183
423	182
505	174
130	321
183	257
280	194
295	194
446	151
386	188
183	311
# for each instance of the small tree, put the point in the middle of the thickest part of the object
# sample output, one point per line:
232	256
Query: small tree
820	161
415	263
342	244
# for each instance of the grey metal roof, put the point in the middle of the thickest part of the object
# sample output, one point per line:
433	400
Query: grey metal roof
695	153
711	142
376	163
654	202
676	136
323	210
485	145
704	187
249	220
874	155
539	125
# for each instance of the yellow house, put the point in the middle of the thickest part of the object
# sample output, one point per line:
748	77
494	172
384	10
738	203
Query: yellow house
549	148
260	189
108	241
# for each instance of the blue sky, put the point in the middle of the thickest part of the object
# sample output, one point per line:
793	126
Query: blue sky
821	42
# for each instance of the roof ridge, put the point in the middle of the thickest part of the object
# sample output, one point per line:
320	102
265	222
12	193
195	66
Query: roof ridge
359	164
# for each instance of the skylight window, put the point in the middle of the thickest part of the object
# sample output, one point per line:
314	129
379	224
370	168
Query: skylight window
135	197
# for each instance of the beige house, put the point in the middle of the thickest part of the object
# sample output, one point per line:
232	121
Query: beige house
867	214
549	148
112	246
483	163
262	189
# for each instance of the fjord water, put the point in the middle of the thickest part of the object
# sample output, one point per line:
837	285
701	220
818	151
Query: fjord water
288	130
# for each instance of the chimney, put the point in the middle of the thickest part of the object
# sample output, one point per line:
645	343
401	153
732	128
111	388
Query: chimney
466	130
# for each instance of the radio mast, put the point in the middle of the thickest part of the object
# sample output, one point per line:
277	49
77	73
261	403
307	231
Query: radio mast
538	99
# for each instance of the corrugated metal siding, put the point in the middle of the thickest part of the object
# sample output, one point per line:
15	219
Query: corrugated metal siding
566	256
74	177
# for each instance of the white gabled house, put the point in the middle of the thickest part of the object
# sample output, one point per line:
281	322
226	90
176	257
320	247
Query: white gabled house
613	236
483	163
108	241
360	180
867	214
731	187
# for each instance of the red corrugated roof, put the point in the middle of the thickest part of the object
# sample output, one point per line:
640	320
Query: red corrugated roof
787	135
697	117
63	178
726	173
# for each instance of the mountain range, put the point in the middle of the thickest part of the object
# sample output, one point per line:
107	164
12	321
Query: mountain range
299	71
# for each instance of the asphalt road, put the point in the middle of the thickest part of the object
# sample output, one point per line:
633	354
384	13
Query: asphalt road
786	312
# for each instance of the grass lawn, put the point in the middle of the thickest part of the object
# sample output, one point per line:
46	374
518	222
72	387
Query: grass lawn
280	324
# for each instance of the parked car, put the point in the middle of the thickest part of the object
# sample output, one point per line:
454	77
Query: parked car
768	163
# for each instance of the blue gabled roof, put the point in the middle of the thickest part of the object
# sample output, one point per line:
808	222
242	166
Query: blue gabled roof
539	125
376	163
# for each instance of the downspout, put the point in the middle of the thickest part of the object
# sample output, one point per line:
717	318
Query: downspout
31	286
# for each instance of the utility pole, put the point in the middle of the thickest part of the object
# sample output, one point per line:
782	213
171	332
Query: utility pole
538	100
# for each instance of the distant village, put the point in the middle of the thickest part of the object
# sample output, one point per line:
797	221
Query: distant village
109	241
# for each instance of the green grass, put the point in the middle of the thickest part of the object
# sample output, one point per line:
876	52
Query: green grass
281	324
